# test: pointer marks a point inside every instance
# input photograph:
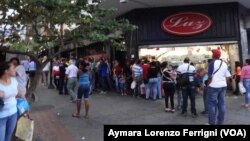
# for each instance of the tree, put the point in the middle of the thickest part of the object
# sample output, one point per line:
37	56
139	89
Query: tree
50	22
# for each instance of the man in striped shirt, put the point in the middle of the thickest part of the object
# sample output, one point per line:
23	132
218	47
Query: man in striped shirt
137	77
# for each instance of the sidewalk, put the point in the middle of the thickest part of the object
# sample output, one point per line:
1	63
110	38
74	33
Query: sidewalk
53	121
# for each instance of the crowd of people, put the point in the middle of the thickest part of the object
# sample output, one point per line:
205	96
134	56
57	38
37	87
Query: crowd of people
151	80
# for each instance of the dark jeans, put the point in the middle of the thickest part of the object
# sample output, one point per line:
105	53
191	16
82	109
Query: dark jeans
62	86
237	80
205	99
56	82
138	81
188	92
105	83
169	90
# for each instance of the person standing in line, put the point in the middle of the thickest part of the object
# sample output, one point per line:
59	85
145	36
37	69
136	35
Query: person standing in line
152	81
32	70
237	77
137	77
169	79
217	86
45	73
56	72
178	92
205	86
83	90
245	78
9	89
21	75
117	72
71	78
189	89
62	85
103	71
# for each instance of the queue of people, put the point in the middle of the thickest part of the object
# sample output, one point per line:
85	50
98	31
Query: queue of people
153	80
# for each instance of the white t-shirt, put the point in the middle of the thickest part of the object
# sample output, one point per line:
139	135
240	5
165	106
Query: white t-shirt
10	93
21	77
219	78
71	71
183	68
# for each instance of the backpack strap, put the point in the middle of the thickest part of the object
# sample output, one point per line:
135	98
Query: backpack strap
218	68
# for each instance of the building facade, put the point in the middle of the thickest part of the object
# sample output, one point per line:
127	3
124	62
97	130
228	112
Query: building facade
172	33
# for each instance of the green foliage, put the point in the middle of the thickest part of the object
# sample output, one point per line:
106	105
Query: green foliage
45	21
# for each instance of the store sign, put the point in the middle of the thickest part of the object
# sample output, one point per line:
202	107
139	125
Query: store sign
186	23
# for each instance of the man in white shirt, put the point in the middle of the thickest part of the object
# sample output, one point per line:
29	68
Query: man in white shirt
20	74
217	73
71	75
189	89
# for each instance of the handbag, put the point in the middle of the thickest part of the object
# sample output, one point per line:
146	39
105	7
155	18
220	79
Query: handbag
242	88
22	106
25	128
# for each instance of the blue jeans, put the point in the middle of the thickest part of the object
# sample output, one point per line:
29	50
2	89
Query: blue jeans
216	99
7	126
105	83
152	88
116	78
246	83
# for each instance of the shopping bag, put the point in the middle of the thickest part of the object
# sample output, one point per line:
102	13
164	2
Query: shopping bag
133	85
22	106
25	129
242	88
142	87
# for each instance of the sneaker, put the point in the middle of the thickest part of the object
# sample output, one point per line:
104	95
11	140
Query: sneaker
172	110
184	114
204	112
167	109
245	105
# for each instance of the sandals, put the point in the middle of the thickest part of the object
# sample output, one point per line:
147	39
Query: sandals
75	115
245	105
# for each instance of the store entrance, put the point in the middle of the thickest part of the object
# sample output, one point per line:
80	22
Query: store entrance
197	54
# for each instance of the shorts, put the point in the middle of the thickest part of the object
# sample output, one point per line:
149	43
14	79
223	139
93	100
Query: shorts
83	91
122	85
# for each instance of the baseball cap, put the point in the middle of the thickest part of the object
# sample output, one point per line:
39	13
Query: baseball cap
216	53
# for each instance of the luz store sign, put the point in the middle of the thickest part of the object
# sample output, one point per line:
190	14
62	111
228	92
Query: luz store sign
186	23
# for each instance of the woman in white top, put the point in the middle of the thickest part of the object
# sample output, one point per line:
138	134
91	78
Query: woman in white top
9	89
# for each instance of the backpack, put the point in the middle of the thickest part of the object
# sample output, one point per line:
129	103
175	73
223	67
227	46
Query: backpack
183	79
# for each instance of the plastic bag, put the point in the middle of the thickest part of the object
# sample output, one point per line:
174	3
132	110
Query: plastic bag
25	129
242	88
22	106
133	85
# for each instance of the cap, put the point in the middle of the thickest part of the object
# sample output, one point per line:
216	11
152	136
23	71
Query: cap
216	53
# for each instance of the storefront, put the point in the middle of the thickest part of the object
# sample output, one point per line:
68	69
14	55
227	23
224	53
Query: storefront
173	33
